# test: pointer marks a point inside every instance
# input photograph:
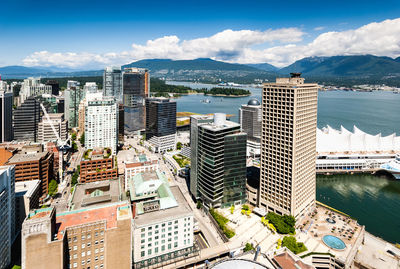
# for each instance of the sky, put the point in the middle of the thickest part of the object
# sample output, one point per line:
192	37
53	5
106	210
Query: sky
80	34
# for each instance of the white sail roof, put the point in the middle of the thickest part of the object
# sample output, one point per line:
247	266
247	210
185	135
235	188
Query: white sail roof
330	140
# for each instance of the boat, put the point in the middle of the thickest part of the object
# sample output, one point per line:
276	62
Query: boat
393	166
207	101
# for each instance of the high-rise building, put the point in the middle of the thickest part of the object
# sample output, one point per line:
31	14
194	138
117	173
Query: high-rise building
92	237
27	195
55	86
221	163
90	87
45	128
7	214
73	96
101	122
250	121
6	114
26	119
161	123
288	146
136	88
112	82
33	87
195	122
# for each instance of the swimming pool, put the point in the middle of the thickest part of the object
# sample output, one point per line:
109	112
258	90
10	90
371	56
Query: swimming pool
334	242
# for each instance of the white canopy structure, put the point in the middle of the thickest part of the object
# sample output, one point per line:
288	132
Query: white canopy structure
330	140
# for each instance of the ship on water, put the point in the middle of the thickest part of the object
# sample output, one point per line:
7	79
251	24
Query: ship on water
393	167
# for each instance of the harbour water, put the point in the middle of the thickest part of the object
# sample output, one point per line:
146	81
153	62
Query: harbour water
373	201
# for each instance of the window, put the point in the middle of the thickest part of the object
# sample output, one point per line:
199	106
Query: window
149	233
101	249
142	254
142	230
175	244
149	252
96	258
88	252
83	245
75	256
163	248
75	264
83	254
88	244
83	237
88	261
96	243
96	250
101	241
101	257
142	241
75	247
176	222
169	246
142	235
83	262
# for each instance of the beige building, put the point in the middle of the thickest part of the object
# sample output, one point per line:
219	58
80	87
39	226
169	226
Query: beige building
97	238
46	132
81	117
288	146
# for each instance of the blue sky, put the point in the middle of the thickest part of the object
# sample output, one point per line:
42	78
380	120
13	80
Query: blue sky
96	28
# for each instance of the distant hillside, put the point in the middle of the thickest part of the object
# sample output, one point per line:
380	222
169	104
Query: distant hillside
345	66
264	66
15	71
156	65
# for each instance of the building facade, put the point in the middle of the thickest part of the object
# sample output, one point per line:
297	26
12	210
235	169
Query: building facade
90	87
112	82
45	129
34	166
195	122
136	88
221	163
97	237
33	87
288	146
7	214
101	122
98	166
26	119
27	195
73	96
250	121
6	116
161	123
163	224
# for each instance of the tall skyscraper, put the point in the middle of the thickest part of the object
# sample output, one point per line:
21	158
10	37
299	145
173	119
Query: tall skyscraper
161	123
45	128
195	122
101	122
221	163
136	88
288	146
250	121
6	106
90	87
112	82
7	214
26	119
73	96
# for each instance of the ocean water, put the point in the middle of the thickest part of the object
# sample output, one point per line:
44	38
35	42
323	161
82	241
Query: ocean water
373	201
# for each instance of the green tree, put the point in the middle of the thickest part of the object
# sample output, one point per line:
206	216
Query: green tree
74	146
73	136
199	205
248	247
283	224
53	186
291	243
179	146
82	139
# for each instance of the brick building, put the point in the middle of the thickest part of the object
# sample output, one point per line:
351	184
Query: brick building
34	166
97	165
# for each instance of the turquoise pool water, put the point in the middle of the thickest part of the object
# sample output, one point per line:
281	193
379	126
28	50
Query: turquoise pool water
334	242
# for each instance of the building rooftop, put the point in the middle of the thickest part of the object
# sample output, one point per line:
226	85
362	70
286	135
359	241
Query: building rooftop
90	194
22	157
26	188
181	209
110	213
288	260
253	102
39	213
151	185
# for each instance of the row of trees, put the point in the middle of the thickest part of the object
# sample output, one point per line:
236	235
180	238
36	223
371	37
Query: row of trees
227	91
222	223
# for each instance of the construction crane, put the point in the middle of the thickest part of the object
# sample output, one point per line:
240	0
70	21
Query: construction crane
62	145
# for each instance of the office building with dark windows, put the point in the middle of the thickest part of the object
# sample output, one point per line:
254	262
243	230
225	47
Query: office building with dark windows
112	82
6	114
26	120
161	123
221	163
136	88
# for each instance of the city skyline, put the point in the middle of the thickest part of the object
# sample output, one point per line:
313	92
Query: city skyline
73	36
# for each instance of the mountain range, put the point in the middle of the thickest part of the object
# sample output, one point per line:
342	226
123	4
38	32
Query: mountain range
356	66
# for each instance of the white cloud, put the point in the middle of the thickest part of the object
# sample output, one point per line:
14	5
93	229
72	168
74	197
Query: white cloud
283	48
319	28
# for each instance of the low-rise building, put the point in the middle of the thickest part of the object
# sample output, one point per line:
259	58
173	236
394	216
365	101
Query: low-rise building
163	223
27	195
98	237
95	193
139	164
98	165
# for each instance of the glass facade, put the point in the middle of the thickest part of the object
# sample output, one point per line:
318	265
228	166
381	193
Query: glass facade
112	83
160	117
73	96
26	119
136	88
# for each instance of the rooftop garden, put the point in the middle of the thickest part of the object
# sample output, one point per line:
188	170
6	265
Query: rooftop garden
283	224
222	223
291	243
181	160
